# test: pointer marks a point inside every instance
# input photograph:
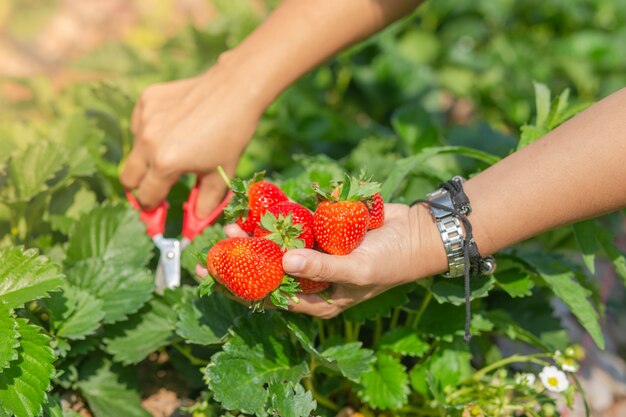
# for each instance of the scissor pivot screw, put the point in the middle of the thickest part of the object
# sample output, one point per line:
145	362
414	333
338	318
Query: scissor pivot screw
170	254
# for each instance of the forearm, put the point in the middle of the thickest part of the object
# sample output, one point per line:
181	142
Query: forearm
575	172
301	34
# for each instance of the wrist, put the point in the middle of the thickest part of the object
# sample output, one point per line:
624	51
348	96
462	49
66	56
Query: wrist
429	255
251	72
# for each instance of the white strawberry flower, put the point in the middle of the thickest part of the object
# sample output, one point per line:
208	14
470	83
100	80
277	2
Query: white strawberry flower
554	379
567	363
525	379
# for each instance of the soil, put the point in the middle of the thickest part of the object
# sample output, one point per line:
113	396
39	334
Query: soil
163	390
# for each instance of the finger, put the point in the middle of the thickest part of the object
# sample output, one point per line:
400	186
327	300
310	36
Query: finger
211	192
201	271
315	305
154	188
233	230
318	266
134	170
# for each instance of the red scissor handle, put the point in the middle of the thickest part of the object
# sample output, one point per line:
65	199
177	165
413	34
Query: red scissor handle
192	224
154	219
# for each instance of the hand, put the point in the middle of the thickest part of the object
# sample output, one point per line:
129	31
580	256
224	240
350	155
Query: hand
191	126
407	247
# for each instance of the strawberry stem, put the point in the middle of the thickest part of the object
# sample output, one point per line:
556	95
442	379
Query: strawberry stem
325	297
222	173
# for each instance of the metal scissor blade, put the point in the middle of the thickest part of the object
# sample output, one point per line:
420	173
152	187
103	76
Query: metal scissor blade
168	271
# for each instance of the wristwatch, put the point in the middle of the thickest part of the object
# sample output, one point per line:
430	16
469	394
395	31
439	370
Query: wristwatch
451	231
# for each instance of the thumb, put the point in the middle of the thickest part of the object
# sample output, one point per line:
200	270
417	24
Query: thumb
318	266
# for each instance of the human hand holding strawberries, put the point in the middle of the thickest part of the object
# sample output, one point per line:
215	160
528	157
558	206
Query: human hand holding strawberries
362	265
391	255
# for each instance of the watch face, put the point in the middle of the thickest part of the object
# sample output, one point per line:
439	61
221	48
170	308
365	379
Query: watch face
444	203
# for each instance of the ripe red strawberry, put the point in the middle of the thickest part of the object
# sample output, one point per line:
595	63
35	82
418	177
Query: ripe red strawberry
251	199
289	221
291	226
308	286
341	219
376	207
251	268
340	226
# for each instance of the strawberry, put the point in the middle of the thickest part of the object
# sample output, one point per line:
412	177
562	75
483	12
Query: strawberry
376	207
340	226
308	286
291	226
286	221
340	222
251	199
251	267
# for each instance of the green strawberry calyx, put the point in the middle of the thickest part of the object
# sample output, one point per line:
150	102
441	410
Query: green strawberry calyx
285	293
238	205
282	230
281	297
350	189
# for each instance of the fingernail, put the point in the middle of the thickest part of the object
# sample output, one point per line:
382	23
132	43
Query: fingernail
294	263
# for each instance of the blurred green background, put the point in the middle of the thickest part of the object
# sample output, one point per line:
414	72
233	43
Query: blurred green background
478	58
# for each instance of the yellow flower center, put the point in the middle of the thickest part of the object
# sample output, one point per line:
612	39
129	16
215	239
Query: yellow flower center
476	411
552	381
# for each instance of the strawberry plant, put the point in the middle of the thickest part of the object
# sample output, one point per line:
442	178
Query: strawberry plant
77	300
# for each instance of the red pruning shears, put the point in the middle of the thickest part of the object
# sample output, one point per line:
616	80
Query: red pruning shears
168	271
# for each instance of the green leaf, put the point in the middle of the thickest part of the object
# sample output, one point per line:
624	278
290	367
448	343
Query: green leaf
68	204
206	320
480	324
529	134
9	335
515	282
24	383
558	107
563	283
453	290
260	352
350	359
386	386
403	167
542	102
207	238
450	364
144	332
415	126
52	408
417	376
24	180
26	276
288	400
74	313
110	389
614	254
379	306
404	341
585	233
82	143
504	323
108	250
431	323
